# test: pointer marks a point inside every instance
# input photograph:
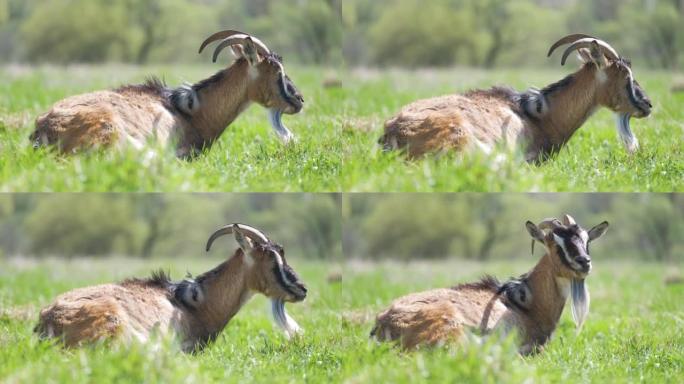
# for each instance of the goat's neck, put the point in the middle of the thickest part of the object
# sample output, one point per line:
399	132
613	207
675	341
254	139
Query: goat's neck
548	299
571	102
221	101
225	289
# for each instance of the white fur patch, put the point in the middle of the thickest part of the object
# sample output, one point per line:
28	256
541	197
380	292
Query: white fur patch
283	320
563	285
580	302
249	261
601	76
584	236
253	72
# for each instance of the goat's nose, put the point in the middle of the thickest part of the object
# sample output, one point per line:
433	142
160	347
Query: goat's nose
583	260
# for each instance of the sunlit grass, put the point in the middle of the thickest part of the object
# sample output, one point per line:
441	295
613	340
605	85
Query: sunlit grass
593	160
633	333
248	157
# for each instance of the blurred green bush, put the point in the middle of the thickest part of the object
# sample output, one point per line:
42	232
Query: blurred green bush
169	225
142	31
488	33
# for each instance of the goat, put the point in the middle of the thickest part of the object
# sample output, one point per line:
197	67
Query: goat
539	121
190	117
196	310
531	304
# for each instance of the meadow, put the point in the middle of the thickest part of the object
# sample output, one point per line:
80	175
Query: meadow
634	332
593	160
250	349
248	156
337	131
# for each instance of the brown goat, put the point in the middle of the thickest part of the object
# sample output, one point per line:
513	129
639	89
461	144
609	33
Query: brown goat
531	304
190	117
196	310
540	121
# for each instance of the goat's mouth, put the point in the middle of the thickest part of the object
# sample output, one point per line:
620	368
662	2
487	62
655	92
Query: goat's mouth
275	117
624	130
293	288
583	271
283	320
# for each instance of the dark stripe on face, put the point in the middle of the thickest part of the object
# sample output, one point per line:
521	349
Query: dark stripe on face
285	273
563	257
286	93
632	97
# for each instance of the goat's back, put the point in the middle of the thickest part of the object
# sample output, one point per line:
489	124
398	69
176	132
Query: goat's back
437	316
104	119
453	122
101	312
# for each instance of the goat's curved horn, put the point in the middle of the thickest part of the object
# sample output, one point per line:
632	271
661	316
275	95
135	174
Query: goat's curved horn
251	232
567	40
568	220
551	223
261	48
219	36
606	49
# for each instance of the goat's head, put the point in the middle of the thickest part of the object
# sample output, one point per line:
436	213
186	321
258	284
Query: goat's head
617	88
567	246
268	271
269	86
567	243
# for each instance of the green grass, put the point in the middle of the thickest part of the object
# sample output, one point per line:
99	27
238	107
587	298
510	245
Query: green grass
634	332
594	159
337	133
248	156
250	349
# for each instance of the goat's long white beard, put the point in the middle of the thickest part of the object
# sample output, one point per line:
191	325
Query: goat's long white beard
580	301
284	321
628	139
275	118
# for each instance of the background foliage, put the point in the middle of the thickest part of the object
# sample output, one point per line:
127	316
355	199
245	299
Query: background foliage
491	226
162	31
170	225
491	33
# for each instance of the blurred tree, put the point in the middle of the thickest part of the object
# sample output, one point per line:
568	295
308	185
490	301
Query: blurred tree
491	226
314	29
153	211
76	225
168	30
4	11
416	33
653	226
90	31
499	32
401	227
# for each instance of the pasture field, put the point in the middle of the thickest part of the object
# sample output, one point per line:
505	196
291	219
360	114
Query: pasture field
593	160
634	332
250	349
337	132
248	156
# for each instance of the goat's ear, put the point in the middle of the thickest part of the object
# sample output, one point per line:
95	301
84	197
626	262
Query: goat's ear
596	55
584	55
237	51
598	231
243	241
249	52
534	231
